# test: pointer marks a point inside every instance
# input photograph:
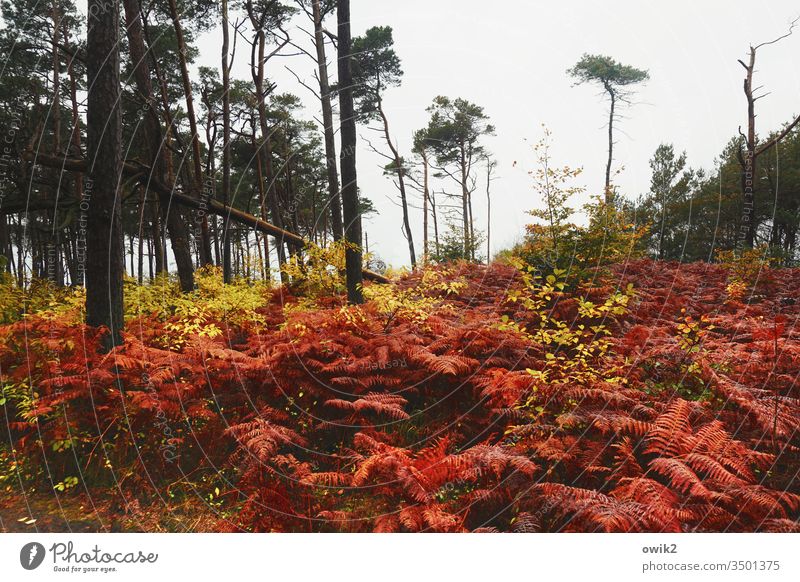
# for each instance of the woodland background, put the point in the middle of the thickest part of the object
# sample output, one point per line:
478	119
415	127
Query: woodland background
196	337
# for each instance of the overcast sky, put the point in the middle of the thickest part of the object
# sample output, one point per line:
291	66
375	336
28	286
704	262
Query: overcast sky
510	56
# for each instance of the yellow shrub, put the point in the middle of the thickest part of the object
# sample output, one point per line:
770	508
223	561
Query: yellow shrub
201	312
744	269
574	347
318	271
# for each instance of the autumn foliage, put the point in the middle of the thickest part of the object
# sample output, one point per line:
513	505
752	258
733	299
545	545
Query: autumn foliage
657	397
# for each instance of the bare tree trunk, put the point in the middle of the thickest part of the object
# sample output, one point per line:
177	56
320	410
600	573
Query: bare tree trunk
158	238
76	277
399	170
435	225
20	254
150	258
489	166
351	215
56	108
210	172
260	256
153	135
262	196
131	253
465	202
748	163
142	206
54	271
226	143
104	244
611	114
205	239
290	201
425	197
748	160
471	228
257	63
5	244
334	200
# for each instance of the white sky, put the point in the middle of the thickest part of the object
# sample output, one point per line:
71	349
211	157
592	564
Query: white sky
510	56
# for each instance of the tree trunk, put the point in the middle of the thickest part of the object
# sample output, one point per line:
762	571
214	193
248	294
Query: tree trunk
351	214
104	243
399	170
488	212
334	200
464	201
435	224
150	258
262	196
197	182
5	244
425	197
158	238
472	239
54	270
607	190
142	206
20	254
176	227
75	139
257	63
749	162
226	144
56	108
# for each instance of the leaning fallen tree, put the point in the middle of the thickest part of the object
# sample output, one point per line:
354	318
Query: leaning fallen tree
144	175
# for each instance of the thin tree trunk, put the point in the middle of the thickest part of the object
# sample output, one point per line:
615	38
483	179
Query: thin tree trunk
131	252
399	170
226	144
75	139
472	244
205	239
607	189
425	197
262	196
56	108
20	254
435	225
54	271
749	162
334	199
465	202
150	258
158	238
273	196
210	172
257	63
488	212
5	244
351	214
142	206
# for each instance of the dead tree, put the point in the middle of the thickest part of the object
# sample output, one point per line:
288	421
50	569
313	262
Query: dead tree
751	150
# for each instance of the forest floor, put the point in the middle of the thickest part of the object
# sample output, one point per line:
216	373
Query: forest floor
46	513
659	397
